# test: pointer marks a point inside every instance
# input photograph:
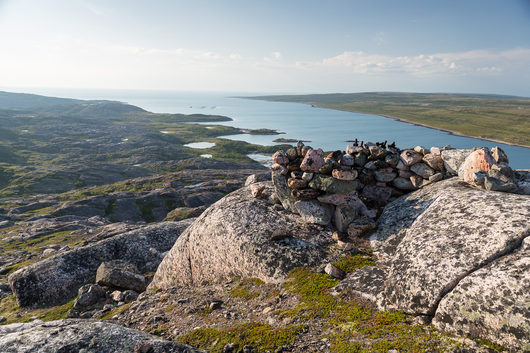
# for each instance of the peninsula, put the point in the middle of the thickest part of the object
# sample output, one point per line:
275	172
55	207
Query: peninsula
490	117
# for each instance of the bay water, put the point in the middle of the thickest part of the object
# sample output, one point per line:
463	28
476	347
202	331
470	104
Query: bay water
325	128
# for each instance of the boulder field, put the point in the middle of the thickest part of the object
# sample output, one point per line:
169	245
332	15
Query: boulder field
454	252
451	253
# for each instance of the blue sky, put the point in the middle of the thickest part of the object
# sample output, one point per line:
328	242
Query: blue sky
268	46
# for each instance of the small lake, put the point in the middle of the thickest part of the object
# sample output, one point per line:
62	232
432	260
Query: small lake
328	129
200	145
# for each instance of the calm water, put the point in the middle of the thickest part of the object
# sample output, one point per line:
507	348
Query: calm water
328	129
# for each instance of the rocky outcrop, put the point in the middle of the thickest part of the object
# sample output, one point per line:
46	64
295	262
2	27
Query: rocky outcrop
458	256
82	336
243	236
492	302
56	279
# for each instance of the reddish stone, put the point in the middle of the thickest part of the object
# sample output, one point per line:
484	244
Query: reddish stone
305	149
296	183
359	230
339	199
479	160
416	181
344	174
434	161
279	169
304	194
312	161
280	157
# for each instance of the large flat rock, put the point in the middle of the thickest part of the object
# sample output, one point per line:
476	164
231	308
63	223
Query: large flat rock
242	236
492	302
462	230
82	336
456	254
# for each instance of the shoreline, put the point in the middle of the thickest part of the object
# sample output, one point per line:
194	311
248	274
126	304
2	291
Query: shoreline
455	133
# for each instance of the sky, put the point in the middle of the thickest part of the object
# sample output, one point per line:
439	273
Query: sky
285	46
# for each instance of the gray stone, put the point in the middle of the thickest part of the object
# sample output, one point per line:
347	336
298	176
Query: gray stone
453	159
88	295
333	271
314	212
423	170
332	185
121	275
461	255
74	335
385	175
347	160
403	184
256	178
436	177
499	155
409	157
343	216
495	184
234	237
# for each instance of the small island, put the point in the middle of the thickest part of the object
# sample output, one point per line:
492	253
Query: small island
286	140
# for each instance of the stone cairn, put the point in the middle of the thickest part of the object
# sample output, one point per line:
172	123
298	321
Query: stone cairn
349	188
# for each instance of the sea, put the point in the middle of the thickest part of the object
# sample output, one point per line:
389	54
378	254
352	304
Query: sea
324	128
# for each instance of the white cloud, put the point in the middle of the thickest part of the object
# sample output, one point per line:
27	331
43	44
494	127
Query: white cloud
426	65
68	61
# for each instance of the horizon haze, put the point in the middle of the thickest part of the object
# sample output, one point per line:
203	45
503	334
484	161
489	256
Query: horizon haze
274	47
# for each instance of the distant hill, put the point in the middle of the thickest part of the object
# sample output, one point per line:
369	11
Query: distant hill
9	100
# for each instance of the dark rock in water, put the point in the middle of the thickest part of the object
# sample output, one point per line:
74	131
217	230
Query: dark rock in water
120	275
241	236
56	279
71	335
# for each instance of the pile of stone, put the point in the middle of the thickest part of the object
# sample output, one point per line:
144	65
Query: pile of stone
350	187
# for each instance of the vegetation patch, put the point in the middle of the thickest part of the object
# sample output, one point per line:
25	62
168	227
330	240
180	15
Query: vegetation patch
355	326
260	336
116	311
351	263
11	311
247	288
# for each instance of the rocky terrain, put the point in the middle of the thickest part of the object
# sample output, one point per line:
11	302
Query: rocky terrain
326	252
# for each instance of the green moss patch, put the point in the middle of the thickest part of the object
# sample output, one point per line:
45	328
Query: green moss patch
353	262
10	310
116	311
354	326
247	288
260	336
